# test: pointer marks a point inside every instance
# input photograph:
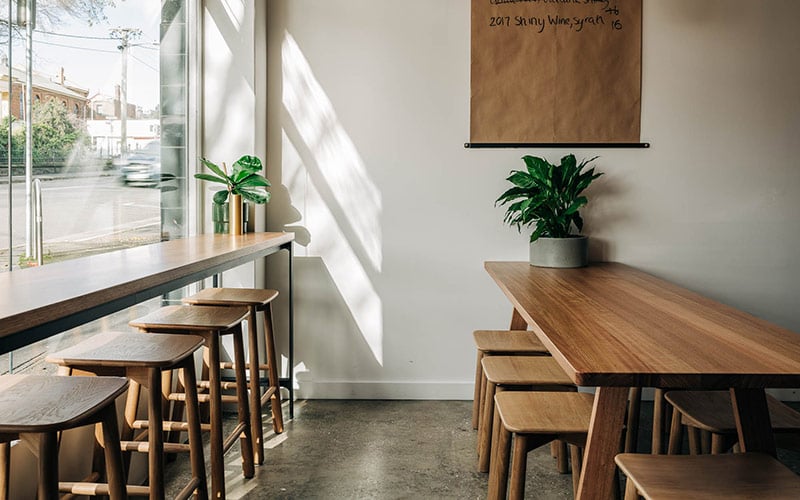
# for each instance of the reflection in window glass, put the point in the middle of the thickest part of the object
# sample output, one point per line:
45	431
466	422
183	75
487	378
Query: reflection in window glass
108	127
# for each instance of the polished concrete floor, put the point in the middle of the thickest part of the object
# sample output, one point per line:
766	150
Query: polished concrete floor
376	450
386	450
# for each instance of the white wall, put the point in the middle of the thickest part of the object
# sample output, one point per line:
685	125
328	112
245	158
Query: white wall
232	125
368	110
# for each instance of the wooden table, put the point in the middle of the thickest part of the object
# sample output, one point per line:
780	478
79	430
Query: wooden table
612	327
39	302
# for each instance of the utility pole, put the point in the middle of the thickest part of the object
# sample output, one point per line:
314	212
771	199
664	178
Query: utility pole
124	35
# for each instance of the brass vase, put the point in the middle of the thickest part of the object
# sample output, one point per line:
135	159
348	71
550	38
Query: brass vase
235	214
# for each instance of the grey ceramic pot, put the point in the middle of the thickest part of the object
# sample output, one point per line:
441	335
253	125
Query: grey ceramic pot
560	252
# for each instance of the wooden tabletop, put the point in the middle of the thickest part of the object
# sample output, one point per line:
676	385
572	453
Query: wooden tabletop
39	302
611	325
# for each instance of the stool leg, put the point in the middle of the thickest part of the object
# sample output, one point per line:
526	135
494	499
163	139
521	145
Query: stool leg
562	458
719	444
485	428
256	425
675	434
155	434
176	413
131	407
195	436
476	398
272	370
48	466
482	398
5	470
634	412
216	450
630	491
694	440
519	463
658	422
246	439
498	476
576	454
114	469
705	442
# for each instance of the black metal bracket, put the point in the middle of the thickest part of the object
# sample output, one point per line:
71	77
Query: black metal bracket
594	145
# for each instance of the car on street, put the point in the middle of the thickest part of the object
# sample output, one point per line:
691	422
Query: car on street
142	167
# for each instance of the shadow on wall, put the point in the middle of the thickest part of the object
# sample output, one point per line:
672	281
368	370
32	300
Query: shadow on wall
334	351
328	199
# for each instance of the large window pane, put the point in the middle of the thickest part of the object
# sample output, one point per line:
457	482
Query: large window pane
108	107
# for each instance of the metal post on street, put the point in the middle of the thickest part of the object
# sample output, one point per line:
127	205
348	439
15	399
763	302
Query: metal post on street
8	150
26	15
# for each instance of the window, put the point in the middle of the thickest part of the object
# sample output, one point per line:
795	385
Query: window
116	165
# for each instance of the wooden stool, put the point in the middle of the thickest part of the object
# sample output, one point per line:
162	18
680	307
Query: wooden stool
710	477
540	373
144	358
211	323
495	343
40	407
255	300
712	412
535	419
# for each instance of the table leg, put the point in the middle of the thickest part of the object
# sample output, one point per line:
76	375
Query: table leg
517	321
752	420
605	431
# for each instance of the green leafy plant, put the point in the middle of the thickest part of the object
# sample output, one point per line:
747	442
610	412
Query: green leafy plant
245	180
548	196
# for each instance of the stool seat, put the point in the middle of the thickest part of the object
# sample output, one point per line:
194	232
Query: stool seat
36	408
545	412
494	343
232	296
199	318
36	403
508	341
124	350
710	477
524	370
713	411
146	359
211	322
255	299
534	419
540	373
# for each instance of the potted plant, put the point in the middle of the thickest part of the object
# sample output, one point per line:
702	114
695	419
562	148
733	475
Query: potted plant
549	196
244	182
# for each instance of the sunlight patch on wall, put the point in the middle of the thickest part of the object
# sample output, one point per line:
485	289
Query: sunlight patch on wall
235	10
329	242
341	206
333	150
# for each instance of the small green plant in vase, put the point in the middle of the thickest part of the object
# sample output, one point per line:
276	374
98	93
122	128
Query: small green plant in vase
244	182
550	197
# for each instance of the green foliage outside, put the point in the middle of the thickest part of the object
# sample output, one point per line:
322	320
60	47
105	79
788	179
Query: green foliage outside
56	133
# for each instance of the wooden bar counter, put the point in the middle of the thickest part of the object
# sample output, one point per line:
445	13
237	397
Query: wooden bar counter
39	302
612	327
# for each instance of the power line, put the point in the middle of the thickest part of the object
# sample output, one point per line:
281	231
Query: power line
144	63
77	47
75	36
